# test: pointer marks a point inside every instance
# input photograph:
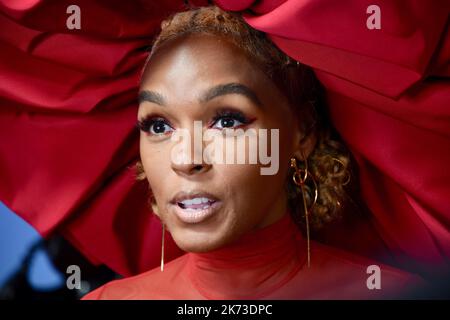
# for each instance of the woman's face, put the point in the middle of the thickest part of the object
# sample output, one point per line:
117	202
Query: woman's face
205	78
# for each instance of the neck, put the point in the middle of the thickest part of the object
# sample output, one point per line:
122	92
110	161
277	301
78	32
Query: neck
258	263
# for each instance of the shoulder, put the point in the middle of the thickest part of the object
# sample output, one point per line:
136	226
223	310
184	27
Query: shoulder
358	277
152	284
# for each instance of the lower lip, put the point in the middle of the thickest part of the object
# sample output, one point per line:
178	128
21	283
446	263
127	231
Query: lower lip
196	216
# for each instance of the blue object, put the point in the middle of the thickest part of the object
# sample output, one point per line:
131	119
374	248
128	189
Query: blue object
16	239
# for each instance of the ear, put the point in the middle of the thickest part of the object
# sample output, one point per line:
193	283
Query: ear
304	144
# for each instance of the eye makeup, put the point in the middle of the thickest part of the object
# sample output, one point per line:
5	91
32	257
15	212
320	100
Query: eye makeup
223	118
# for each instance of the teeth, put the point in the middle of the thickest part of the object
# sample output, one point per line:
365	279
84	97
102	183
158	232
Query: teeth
188	202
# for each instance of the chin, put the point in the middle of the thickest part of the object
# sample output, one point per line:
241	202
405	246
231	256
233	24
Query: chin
198	243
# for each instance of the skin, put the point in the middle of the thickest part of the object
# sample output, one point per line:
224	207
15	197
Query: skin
181	71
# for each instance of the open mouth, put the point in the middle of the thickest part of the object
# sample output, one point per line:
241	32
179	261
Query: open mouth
199	203
195	207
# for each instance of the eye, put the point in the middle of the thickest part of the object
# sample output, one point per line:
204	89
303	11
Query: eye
227	123
229	119
155	126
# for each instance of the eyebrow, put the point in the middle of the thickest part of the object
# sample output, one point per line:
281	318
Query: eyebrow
151	96
214	92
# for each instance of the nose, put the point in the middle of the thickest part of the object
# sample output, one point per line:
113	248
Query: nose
190	169
187	155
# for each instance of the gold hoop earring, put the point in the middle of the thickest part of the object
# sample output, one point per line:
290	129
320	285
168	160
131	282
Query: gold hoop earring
299	177
162	247
346	170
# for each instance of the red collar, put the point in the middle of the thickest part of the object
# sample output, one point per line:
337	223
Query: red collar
256	265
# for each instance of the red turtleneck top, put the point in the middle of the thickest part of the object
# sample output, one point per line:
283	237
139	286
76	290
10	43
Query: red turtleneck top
267	263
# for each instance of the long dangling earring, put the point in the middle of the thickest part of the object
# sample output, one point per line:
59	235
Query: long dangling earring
299	177
156	212
162	247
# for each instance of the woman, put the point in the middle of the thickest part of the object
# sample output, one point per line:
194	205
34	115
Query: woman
238	226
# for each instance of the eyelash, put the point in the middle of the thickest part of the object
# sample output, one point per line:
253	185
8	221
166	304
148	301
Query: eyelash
146	124
230	114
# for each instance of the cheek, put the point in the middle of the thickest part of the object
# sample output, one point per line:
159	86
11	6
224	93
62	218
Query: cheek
247	188
245	182
156	165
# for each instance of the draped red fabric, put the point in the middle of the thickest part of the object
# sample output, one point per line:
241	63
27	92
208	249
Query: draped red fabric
68	109
388	91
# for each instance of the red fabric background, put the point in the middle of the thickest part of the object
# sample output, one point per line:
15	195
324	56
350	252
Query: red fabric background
68	109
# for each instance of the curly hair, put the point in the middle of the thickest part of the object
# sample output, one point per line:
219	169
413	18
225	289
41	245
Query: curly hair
329	162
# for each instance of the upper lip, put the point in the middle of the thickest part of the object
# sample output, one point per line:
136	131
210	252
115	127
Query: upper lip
183	195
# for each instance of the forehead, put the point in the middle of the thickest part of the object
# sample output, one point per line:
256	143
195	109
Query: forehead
199	60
